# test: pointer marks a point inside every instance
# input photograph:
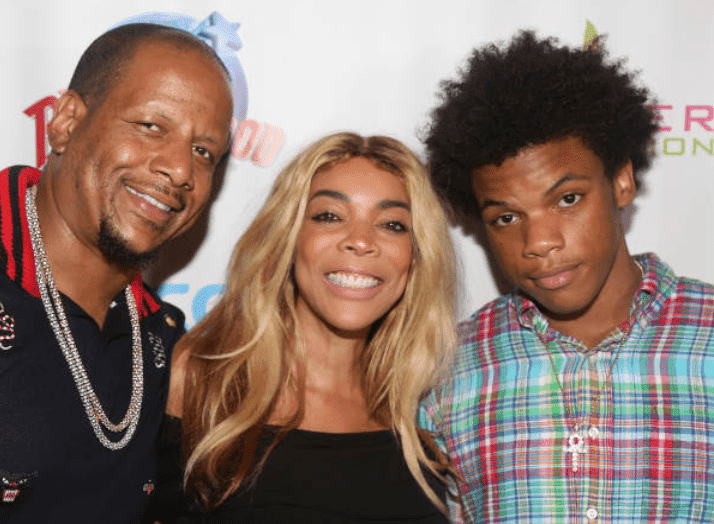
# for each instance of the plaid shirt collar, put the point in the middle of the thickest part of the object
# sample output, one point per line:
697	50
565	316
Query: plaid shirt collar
658	282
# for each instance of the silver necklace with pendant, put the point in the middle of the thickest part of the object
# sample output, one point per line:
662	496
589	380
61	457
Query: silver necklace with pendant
54	309
575	442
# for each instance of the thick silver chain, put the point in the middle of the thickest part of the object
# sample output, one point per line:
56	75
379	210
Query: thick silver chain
55	314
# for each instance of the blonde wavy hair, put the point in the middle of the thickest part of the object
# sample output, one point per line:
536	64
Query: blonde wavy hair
243	352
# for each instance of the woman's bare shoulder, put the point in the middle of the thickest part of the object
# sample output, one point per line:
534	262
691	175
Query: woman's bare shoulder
179	361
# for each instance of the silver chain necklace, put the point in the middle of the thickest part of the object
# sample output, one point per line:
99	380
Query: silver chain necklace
576	438
55	314
575	444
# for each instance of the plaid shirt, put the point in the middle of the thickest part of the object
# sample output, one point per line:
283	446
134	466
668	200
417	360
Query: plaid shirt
649	442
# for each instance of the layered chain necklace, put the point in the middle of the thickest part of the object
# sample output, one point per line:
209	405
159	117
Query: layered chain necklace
58	320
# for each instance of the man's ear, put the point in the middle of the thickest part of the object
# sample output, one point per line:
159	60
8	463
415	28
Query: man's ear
69	111
623	185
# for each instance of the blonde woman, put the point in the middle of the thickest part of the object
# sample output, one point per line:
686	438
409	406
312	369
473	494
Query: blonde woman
298	392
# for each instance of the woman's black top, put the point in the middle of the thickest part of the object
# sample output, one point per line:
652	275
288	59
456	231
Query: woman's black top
337	478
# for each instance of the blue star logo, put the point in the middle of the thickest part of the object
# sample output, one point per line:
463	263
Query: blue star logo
220	33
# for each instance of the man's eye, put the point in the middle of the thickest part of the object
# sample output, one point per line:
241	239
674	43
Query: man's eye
504	220
205	153
325	216
150	126
570	199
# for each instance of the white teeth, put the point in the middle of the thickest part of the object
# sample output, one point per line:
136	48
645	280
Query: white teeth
352	281
149	199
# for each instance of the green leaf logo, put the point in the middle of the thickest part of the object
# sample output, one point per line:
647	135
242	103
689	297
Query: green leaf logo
591	34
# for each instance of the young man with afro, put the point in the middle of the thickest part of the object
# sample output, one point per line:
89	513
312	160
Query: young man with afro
587	393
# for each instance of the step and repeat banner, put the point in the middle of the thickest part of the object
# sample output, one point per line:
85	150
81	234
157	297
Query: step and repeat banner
307	68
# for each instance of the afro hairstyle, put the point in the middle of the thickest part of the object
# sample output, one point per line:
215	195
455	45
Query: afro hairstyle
528	93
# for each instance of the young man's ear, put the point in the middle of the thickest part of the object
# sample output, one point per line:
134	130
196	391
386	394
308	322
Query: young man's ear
69	111
623	185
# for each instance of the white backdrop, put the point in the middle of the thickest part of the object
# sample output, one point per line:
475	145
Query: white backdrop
373	66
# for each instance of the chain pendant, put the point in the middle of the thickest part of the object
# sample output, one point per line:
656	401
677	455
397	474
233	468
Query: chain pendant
575	446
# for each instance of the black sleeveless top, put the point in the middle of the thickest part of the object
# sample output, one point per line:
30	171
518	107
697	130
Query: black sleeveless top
336	478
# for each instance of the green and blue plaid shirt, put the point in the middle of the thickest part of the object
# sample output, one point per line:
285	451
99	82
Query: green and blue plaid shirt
649	445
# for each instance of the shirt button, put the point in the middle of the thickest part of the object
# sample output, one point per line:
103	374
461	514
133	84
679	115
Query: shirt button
593	432
591	513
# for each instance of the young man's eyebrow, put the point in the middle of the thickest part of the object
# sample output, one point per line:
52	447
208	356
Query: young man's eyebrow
491	203
569	177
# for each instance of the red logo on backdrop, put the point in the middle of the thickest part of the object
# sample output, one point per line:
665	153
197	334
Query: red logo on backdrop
257	141
38	111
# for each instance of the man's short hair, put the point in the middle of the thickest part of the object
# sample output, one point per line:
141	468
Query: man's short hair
104	62
529	93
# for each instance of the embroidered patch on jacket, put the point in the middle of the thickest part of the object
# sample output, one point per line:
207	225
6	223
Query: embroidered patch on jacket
148	487
7	329
14	485
157	348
